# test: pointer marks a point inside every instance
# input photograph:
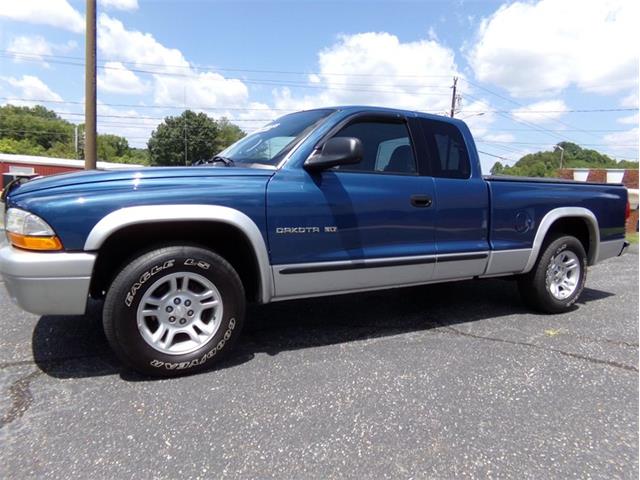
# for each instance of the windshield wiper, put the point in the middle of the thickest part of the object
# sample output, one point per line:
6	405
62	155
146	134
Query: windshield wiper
216	159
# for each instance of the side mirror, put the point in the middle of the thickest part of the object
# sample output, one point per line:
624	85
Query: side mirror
336	151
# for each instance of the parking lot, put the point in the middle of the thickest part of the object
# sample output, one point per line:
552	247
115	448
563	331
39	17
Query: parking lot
445	381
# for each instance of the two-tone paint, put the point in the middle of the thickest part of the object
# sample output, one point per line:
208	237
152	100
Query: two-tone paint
315	233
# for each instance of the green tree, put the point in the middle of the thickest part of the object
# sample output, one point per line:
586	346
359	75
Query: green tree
190	137
38	125
111	146
40	131
546	164
497	169
229	133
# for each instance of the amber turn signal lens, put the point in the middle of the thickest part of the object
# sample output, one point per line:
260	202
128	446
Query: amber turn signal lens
34	243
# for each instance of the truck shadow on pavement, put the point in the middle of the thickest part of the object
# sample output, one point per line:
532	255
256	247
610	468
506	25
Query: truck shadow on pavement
75	346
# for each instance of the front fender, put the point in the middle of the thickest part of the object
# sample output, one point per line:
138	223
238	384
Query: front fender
128	216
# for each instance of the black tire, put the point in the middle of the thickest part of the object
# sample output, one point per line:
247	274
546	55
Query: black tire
131	285
533	286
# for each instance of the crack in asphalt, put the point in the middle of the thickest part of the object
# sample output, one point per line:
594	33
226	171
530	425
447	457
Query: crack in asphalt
46	363
21	398
619	343
599	361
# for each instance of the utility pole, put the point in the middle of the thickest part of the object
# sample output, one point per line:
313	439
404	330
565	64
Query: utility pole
453	96
561	155
185	141
184	101
75	139
90	150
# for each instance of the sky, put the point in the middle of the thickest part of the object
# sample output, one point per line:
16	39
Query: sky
530	74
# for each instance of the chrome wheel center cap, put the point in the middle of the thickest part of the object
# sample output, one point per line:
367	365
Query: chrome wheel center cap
180	311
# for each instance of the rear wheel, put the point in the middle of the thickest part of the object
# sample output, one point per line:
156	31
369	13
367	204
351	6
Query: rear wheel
558	277
174	310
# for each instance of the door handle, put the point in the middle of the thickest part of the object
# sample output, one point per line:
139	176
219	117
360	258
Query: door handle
421	201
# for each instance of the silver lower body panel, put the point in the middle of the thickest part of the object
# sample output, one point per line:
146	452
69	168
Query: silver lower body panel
611	248
293	281
53	283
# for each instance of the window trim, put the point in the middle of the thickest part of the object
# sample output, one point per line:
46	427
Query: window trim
374	117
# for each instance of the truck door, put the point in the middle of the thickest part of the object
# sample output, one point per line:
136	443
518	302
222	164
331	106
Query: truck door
358	226
461	202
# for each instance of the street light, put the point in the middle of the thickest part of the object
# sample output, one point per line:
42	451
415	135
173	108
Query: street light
473	115
561	153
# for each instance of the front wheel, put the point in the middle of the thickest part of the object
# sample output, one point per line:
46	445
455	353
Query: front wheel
174	310
558	277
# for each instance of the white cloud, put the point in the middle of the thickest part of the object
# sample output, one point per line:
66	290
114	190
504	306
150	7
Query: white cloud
128	123
31	90
541	112
116	78
627	142
378	69
119	4
537	49
482	118
56	13
35	47
499	137
181	84
115	41
629	120
631	100
204	90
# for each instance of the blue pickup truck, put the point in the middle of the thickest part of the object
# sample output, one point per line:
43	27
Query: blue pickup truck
319	202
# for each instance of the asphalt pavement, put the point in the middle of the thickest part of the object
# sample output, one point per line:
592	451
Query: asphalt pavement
445	381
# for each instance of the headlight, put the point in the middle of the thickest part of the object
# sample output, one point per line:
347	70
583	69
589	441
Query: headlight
28	231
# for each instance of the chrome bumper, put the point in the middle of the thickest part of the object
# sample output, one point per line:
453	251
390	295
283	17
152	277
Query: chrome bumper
47	283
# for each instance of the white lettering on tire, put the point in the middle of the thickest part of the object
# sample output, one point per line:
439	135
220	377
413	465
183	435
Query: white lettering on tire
131	294
204	358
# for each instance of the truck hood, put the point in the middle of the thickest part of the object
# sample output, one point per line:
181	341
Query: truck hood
93	176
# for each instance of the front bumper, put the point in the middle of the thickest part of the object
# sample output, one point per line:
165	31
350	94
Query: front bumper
47	283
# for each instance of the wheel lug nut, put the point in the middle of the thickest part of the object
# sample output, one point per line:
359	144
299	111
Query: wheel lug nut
172	319
187	302
176	301
183	321
169	309
190	313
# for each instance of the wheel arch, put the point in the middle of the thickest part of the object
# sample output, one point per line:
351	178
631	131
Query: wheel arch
577	221
203	225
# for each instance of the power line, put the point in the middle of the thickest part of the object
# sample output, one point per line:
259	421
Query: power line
559	130
496	156
159	118
340	87
480	140
523	122
133	105
13	53
39	132
580	110
527	110
253	109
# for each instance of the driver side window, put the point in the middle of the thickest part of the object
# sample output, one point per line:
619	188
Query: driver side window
386	145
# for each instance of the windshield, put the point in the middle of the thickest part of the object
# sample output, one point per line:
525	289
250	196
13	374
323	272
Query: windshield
269	144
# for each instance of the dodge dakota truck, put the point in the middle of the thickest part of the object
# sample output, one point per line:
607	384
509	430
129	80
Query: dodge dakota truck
318	202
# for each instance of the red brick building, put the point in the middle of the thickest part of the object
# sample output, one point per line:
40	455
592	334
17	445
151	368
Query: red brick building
33	165
628	177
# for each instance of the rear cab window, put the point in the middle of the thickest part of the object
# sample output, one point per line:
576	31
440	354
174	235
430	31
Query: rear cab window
447	153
